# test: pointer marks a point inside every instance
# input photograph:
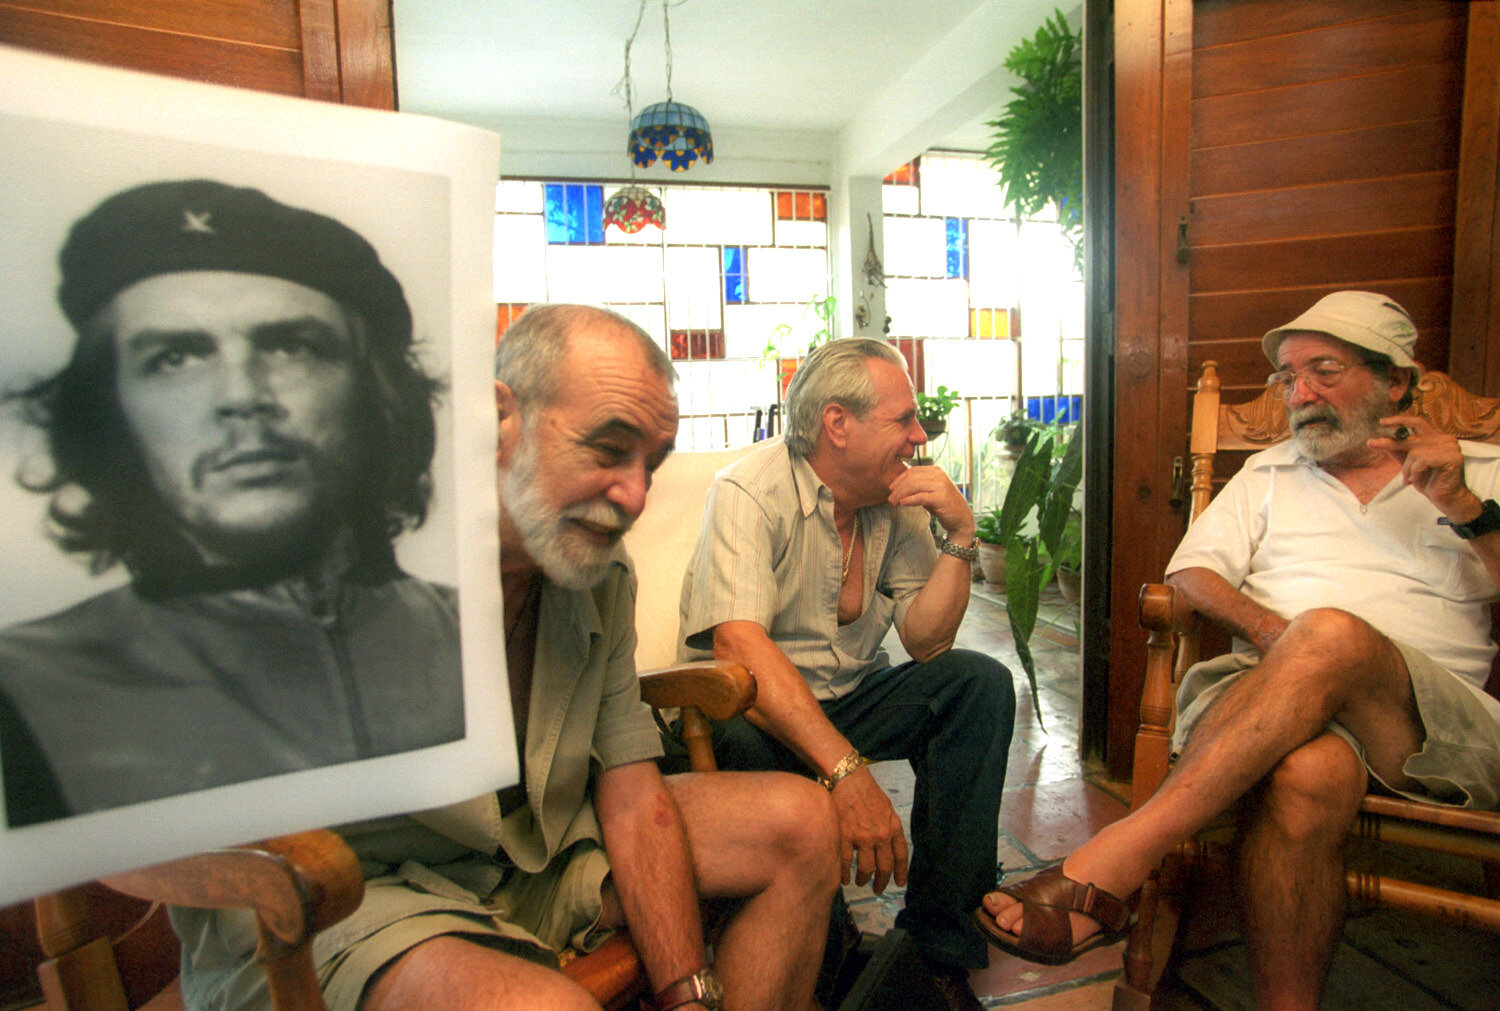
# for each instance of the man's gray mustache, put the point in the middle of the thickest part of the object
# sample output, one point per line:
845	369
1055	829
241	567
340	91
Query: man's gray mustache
1299	418
601	514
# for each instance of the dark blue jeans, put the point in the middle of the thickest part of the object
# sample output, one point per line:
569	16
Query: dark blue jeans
952	718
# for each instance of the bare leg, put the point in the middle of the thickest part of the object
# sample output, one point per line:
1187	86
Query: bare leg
1327	665
770	839
450	972
1292	870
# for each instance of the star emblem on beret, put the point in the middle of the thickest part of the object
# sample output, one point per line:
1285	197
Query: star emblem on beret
197	222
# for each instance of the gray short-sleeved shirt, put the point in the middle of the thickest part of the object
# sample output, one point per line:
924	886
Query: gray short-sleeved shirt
769	553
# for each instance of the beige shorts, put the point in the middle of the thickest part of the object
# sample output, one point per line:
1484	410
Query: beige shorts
1459	763
532	916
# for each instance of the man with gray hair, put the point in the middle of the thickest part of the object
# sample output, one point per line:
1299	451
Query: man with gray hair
1367	525
812	549
468	906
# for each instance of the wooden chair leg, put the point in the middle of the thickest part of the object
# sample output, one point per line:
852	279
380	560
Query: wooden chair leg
1148	948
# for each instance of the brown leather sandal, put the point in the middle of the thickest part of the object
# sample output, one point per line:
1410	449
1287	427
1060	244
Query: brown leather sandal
1046	932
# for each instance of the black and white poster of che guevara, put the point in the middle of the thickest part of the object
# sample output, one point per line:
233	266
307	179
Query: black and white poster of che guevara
248	576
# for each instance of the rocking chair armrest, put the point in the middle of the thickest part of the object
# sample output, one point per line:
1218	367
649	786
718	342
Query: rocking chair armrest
296	884
720	689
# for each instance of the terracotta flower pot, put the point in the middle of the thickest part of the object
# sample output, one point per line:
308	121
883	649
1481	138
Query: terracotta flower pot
992	564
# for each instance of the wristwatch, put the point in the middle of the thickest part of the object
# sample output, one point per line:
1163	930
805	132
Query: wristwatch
1487	521
969	554
702	986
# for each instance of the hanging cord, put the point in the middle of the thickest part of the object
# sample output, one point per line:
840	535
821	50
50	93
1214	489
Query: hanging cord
624	85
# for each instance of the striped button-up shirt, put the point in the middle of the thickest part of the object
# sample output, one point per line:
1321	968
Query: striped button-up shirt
769	553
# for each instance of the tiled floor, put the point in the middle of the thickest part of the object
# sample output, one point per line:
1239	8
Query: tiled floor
1054	800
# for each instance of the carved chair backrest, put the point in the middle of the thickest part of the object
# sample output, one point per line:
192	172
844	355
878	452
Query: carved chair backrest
1261	422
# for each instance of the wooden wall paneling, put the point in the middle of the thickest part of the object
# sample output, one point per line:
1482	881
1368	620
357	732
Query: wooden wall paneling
1340	208
335	50
253	22
1152	41
1475	352
1330	261
319	25
366	58
1414	35
1240	20
1394	149
197	57
1393	96
1227	315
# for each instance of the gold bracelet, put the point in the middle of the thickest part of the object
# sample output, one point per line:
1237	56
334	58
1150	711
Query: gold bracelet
849	763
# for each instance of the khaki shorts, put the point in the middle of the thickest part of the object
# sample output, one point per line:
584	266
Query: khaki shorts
532	916
1459	763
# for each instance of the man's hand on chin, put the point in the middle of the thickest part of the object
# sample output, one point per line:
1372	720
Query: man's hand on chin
930	488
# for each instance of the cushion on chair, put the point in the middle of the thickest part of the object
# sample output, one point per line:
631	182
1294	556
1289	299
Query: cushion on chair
662	542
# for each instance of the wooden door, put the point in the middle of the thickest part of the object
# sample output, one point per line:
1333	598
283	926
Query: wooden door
1268	152
334	50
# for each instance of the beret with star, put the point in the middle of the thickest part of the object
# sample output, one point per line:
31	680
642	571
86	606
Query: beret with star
201	224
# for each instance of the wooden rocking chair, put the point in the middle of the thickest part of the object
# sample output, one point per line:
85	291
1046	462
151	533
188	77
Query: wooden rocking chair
107	945
1172	647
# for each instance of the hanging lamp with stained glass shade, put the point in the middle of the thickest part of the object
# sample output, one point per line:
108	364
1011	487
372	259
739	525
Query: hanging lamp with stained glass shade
632	208
676	133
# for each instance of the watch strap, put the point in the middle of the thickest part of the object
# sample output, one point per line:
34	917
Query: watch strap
697	987
1487	521
969	554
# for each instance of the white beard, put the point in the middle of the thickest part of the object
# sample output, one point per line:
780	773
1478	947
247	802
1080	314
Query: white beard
567	556
1342	433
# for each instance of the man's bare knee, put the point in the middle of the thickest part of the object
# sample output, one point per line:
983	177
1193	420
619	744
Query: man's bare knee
449	971
1333	630
1315	789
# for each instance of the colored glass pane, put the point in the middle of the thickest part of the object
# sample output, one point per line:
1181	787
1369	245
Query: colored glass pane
916	364
957	247
801	205
575	213
506	313
696	345
906	175
990	323
734	275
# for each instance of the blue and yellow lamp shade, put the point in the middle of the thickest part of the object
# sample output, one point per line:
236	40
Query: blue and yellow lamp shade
675	133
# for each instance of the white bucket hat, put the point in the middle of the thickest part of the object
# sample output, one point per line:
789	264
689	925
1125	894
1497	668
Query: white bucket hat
1363	318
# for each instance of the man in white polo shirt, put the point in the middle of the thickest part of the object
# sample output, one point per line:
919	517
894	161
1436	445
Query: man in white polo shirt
1353	563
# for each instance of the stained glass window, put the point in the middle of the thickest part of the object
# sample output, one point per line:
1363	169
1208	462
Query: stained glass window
734	276
575	213
958	247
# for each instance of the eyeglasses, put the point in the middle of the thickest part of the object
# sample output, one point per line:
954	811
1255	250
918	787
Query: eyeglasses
1320	377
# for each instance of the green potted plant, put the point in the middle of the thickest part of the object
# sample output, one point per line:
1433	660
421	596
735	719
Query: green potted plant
1015	430
786	364
1031	524
1067	558
1038	140
991	549
933	410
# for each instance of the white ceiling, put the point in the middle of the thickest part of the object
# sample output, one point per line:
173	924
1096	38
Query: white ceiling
791	88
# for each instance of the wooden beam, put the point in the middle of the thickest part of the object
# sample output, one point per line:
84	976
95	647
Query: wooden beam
1474	354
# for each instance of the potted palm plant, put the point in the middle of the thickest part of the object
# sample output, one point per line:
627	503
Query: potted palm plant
933	410
1031	523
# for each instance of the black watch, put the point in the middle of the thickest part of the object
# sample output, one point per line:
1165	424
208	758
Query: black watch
1487	521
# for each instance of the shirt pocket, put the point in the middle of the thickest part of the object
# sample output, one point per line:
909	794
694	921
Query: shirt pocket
1459	572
